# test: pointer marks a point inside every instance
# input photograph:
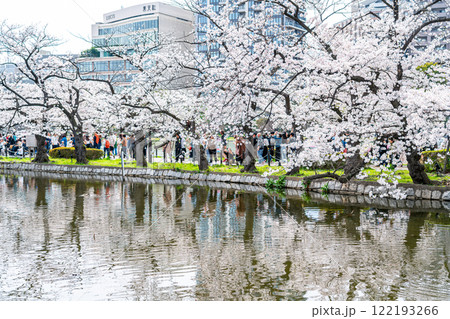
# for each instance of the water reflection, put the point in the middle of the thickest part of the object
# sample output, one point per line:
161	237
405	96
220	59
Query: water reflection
69	240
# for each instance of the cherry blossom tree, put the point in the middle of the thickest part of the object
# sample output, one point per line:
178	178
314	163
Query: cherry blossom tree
162	96
352	92
49	90
365	90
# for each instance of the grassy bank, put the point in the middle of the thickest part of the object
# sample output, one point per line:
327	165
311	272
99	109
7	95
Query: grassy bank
372	175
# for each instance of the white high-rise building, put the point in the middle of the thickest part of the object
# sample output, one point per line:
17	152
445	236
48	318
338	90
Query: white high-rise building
120	27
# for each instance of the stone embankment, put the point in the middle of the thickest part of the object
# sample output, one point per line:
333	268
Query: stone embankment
431	196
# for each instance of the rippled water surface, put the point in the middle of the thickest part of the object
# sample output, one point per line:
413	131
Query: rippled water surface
72	240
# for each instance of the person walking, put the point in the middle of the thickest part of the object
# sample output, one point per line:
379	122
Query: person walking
278	142
284	143
54	141
178	148
97	144
123	146
240	150
167	151
112	144
106	148
212	149
260	147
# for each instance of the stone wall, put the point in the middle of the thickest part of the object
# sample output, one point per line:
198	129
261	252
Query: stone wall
357	188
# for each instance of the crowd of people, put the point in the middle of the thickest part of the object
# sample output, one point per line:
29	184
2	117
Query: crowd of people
11	145
111	145
230	150
267	148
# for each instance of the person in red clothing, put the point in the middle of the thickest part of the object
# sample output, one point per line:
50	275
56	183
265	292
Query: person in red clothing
96	141
106	149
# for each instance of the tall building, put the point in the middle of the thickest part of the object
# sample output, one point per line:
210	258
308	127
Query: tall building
121	28
440	9
247	10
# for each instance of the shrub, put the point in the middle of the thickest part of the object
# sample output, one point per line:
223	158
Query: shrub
69	152
276	185
434	159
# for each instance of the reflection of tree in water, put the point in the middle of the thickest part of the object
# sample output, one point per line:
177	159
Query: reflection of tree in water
41	191
138	195
78	213
250	246
199	197
413	230
179	192
34	284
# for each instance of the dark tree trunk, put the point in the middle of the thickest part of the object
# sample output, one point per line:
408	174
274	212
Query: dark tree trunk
41	154
80	149
140	143
249	161
446	156
202	160
294	170
416	169
353	165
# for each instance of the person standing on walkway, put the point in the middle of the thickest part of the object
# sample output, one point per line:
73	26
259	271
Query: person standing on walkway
278	142
112	144
124	148
167	151
179	148
212	149
260	147
97	141
54	141
240	150
106	148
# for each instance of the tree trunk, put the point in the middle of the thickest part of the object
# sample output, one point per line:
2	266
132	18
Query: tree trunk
353	165
140	143
80	149
149	149
294	170
41	155
202	160
249	161
446	156
416	169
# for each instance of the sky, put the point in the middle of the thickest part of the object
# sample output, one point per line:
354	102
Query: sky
69	20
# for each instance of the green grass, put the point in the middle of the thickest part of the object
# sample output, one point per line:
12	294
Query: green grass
68	161
14	160
372	175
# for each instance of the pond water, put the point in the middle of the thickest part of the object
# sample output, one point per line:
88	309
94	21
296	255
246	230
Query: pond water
78	240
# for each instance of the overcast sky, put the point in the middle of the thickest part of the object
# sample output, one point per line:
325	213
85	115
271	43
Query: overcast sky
69	20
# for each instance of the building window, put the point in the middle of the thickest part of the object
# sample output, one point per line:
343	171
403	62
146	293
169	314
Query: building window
129	66
130	27
116	65
100	66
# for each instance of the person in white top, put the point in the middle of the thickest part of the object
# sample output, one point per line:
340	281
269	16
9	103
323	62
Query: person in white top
112	141
54	141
